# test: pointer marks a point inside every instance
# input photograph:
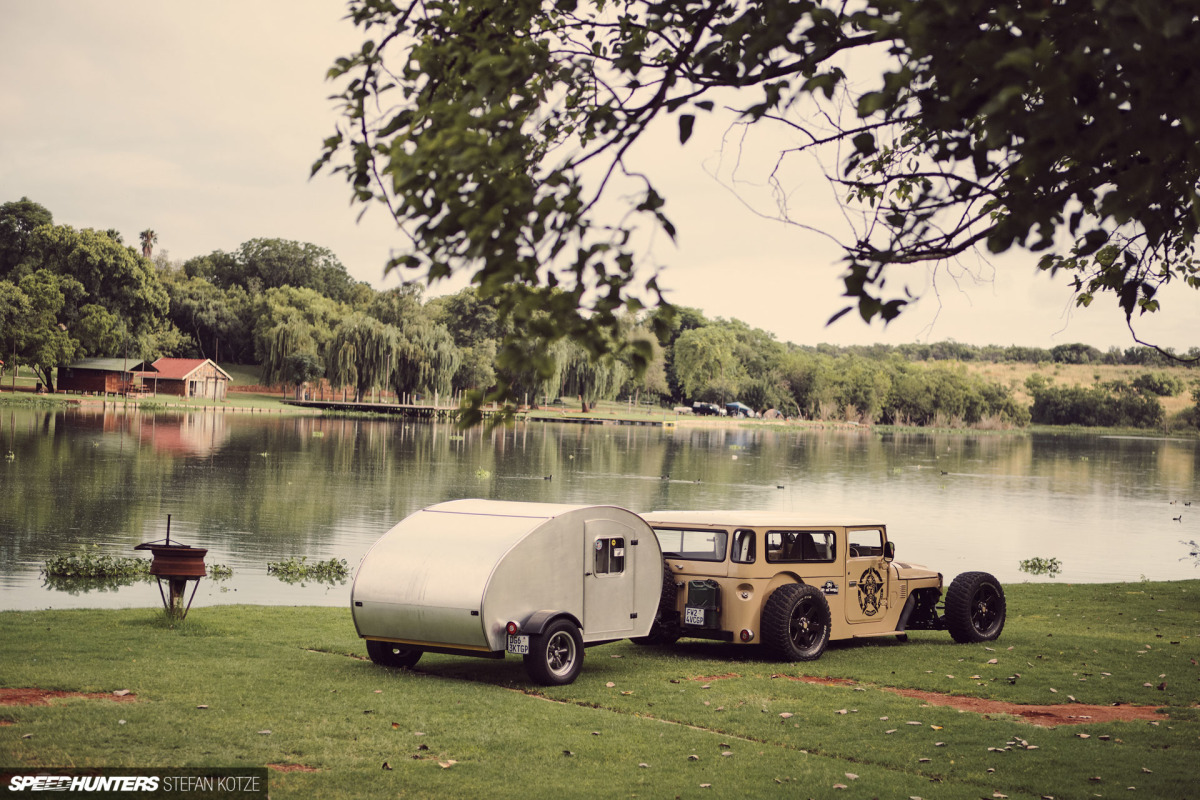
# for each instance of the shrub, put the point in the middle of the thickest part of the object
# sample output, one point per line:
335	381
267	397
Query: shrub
88	565
1041	566
295	569
1161	384
1095	407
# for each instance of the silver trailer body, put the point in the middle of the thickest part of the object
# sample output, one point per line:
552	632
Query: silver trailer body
450	577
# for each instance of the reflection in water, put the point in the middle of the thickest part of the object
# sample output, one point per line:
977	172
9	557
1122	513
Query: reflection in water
254	488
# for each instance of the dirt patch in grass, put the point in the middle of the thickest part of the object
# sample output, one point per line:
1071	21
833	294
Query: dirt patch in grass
292	768
818	681
42	697
1042	716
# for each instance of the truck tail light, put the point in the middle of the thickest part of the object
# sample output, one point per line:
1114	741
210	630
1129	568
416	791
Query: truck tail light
511	628
747	635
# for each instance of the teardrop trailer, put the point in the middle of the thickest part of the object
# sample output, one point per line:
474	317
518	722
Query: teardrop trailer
486	578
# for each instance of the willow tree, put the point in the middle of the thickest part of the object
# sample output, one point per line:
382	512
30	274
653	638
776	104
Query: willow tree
498	134
425	358
292	357
360	354
591	379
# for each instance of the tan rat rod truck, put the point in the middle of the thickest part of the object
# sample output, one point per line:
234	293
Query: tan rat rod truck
543	581
792	583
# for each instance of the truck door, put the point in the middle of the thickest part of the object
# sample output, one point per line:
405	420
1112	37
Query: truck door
608	579
866	576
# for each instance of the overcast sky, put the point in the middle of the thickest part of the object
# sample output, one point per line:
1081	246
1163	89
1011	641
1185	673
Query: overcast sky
201	121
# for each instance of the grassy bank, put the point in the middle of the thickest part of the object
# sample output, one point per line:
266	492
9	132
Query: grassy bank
249	686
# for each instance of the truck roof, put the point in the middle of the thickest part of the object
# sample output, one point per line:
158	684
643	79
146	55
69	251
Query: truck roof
757	519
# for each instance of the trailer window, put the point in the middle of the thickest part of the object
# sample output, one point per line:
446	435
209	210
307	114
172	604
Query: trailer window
610	557
693	545
743	547
791	546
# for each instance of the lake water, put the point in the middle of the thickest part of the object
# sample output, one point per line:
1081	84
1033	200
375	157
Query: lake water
255	488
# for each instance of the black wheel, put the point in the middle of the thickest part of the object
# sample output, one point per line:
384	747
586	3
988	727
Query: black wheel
665	629
390	654
975	608
556	656
795	622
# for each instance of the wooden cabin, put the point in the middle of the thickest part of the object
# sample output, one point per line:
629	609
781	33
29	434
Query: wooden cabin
186	377
99	376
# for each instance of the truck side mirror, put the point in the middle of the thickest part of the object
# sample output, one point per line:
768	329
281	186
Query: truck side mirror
889	551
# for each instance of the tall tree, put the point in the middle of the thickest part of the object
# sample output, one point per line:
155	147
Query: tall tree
1061	126
18	220
148	238
43	342
706	365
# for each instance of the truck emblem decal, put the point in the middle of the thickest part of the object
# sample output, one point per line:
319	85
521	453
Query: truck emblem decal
870	587
830	588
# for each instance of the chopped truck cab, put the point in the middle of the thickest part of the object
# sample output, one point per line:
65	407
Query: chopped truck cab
792	583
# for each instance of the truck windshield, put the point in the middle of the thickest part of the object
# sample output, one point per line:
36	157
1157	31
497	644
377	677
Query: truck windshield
693	545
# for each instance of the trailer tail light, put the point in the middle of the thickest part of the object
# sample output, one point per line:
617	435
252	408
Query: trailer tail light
511	628
747	635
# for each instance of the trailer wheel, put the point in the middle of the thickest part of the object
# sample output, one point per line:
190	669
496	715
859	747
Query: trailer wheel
975	608
665	629
795	622
389	654
556	656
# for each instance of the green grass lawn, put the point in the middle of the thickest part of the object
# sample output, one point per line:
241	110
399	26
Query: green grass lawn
251	686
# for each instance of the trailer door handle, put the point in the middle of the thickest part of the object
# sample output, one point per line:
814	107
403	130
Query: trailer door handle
586	574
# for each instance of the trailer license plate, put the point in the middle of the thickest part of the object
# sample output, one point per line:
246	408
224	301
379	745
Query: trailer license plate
518	644
693	615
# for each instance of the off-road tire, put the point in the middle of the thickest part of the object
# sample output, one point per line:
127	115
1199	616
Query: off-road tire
975	608
665	630
795	622
556	655
390	654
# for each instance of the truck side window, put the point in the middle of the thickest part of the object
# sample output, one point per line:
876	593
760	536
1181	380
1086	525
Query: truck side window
793	546
865	544
610	557
743	547
693	545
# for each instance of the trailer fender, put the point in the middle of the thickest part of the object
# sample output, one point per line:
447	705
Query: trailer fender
536	623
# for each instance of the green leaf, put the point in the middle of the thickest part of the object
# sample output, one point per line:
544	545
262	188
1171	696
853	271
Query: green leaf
686	122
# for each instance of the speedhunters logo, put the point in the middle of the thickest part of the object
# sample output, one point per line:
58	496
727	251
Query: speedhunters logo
193	784
83	783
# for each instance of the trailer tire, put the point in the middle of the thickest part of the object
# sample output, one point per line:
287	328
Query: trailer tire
665	630
975	608
795	622
390	654
555	655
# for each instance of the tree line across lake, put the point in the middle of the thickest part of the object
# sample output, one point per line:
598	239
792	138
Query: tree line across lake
291	307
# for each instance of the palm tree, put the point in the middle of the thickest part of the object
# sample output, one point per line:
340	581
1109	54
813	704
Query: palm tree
149	239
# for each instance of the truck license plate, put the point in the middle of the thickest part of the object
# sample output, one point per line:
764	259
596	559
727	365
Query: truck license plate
693	615
518	644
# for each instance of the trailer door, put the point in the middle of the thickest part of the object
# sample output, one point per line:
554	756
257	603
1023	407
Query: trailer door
608	579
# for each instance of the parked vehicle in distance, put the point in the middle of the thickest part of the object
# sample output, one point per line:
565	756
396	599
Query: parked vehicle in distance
707	409
793	583
487	577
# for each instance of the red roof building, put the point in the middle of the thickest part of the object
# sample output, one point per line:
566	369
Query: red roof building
186	377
